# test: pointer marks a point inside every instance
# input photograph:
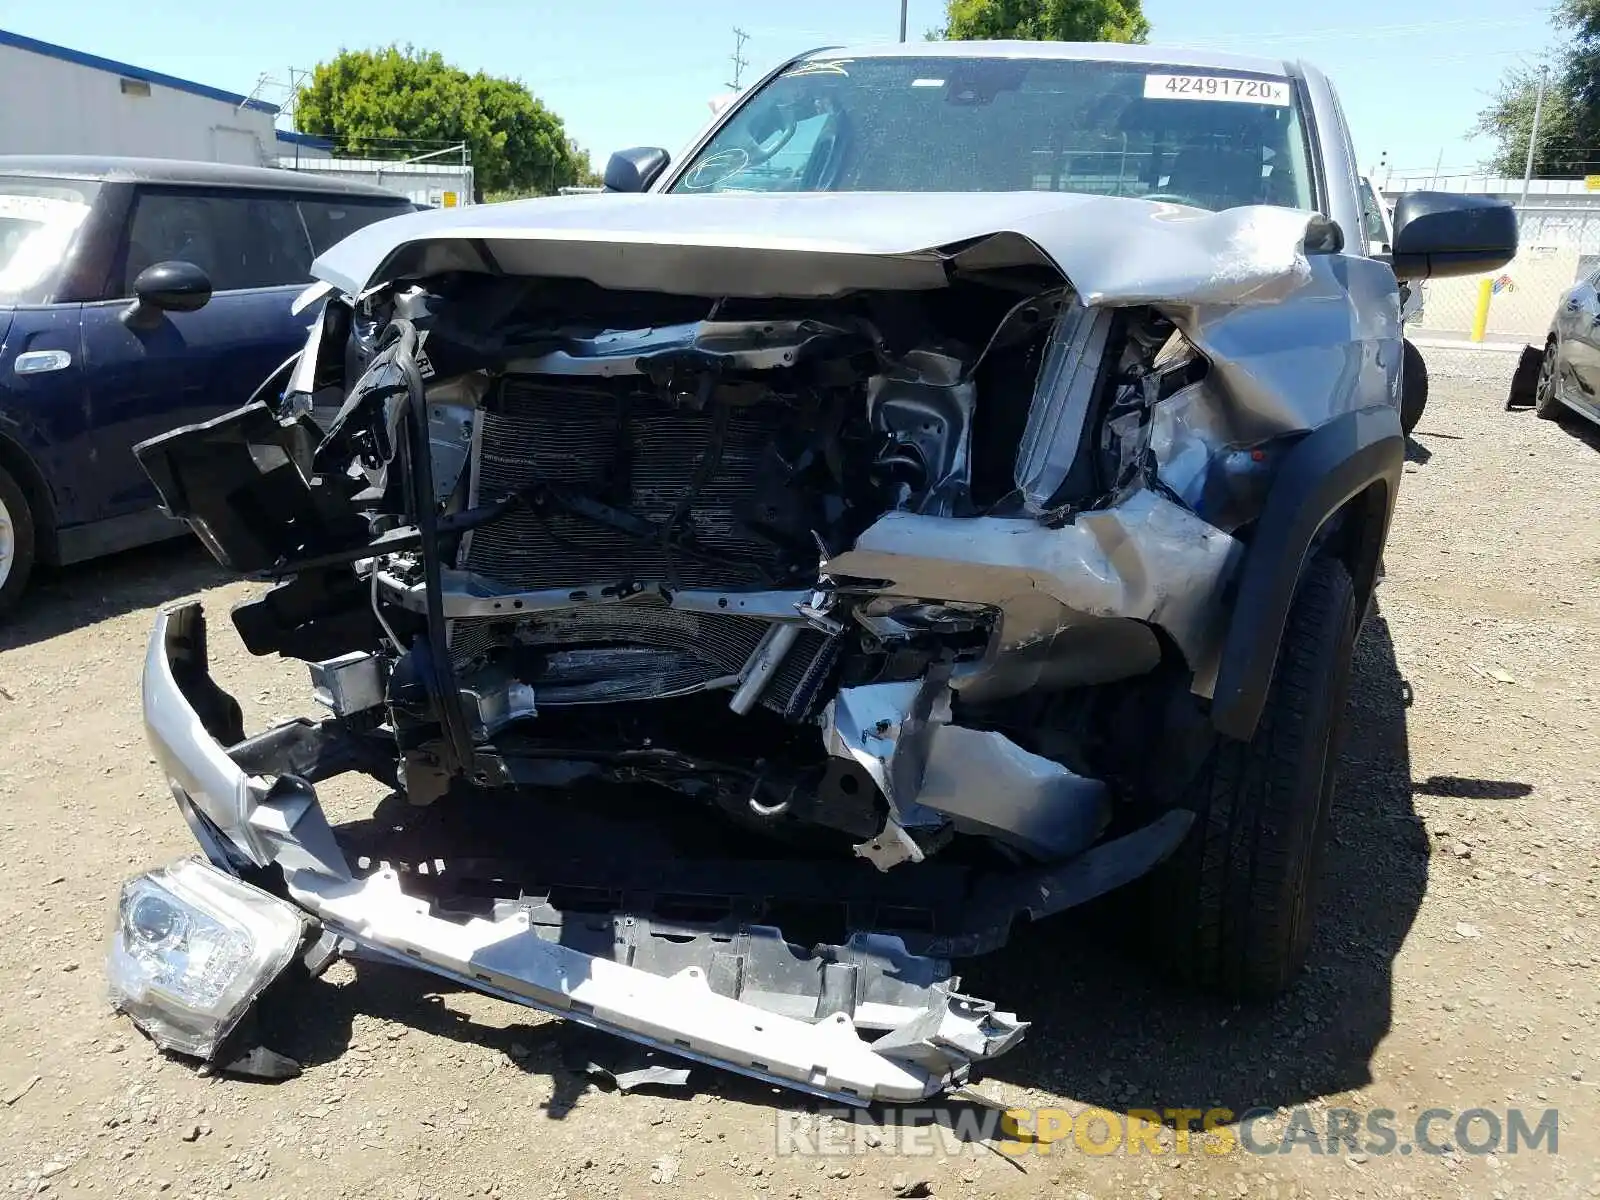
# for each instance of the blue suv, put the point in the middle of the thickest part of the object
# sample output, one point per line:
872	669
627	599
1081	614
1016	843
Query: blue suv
135	295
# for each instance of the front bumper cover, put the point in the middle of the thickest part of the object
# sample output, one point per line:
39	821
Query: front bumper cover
868	1020
930	1034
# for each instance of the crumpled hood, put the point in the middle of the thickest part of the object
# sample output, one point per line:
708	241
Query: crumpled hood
1113	250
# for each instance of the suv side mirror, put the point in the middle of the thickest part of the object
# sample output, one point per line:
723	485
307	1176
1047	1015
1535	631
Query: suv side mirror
166	287
1437	234
636	169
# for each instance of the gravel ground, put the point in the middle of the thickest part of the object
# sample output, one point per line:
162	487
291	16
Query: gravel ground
1455	966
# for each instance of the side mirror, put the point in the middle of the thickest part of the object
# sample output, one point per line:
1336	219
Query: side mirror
166	287
1437	234
636	169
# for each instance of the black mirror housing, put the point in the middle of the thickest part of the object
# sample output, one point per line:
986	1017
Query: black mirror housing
1439	234
167	287
634	170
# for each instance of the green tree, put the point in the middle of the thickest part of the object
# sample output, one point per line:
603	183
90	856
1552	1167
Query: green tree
1509	120
1045	20
398	102
1569	120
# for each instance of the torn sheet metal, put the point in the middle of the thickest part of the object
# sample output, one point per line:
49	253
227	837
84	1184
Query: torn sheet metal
932	771
1204	460
990	785
1288	368
1115	250
1146	559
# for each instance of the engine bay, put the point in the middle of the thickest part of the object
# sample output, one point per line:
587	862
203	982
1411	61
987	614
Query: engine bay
870	570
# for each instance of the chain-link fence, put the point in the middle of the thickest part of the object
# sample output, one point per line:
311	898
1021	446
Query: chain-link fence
1559	238
1560	244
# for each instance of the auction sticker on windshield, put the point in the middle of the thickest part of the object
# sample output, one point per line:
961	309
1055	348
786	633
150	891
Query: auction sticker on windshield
1217	87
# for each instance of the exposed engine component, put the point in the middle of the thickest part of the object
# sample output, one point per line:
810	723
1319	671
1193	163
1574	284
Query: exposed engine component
590	503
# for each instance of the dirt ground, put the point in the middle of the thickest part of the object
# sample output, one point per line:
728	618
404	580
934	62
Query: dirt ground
1456	964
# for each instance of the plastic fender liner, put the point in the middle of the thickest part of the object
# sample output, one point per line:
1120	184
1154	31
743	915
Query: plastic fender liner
1329	466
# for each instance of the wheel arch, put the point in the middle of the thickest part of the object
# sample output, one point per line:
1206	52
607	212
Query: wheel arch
1335	490
19	464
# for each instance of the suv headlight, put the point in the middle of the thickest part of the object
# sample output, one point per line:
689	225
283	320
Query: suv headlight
192	950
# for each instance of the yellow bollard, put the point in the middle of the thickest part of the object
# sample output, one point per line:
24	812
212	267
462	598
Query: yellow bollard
1480	319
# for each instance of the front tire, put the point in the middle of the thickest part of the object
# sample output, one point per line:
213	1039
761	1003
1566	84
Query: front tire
1233	906
1413	386
1545	403
16	542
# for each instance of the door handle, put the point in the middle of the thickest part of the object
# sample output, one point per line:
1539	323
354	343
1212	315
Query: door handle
41	362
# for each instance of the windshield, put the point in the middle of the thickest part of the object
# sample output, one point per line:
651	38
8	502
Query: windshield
1207	138
38	218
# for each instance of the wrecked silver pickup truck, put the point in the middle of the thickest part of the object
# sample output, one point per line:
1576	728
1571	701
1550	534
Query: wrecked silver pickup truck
949	496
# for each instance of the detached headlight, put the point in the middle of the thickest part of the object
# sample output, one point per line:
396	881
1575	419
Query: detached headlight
193	948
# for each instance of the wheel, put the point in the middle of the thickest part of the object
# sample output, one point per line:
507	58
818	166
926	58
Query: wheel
1545	403
1232	909
1413	386
16	541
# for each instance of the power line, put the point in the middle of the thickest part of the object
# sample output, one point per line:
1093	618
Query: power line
740	62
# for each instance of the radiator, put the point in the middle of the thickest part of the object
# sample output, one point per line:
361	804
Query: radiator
568	434
606	652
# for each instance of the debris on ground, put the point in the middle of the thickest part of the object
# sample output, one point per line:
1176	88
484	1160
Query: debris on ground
19	1092
625	1065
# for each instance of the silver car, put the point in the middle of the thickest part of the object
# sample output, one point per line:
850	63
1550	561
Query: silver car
948	494
1569	371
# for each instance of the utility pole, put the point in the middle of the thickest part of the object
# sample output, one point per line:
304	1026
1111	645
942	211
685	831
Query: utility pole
1533	139
903	4
740	62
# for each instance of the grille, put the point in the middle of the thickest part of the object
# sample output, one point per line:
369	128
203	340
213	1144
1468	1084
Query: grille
565	434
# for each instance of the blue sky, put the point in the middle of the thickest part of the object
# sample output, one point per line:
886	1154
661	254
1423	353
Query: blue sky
631	72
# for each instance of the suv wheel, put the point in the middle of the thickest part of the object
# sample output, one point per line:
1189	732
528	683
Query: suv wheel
1413	386
16	541
1233	907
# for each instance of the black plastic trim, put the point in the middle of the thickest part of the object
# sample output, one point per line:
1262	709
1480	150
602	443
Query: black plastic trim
416	458
1327	469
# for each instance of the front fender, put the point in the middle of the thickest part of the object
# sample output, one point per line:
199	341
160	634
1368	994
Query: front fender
1359	453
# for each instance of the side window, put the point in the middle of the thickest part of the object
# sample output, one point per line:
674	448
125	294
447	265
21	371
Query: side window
331	220
1377	229
240	240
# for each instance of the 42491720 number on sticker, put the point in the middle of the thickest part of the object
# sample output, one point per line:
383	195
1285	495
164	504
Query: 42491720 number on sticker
1237	88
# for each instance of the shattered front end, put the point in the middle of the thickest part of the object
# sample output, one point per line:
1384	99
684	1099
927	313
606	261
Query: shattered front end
749	628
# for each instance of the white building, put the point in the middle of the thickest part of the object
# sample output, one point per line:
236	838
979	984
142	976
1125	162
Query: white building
59	101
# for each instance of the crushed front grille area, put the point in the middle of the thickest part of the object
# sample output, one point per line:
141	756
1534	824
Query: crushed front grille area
639	454
695	646
608	653
643	455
